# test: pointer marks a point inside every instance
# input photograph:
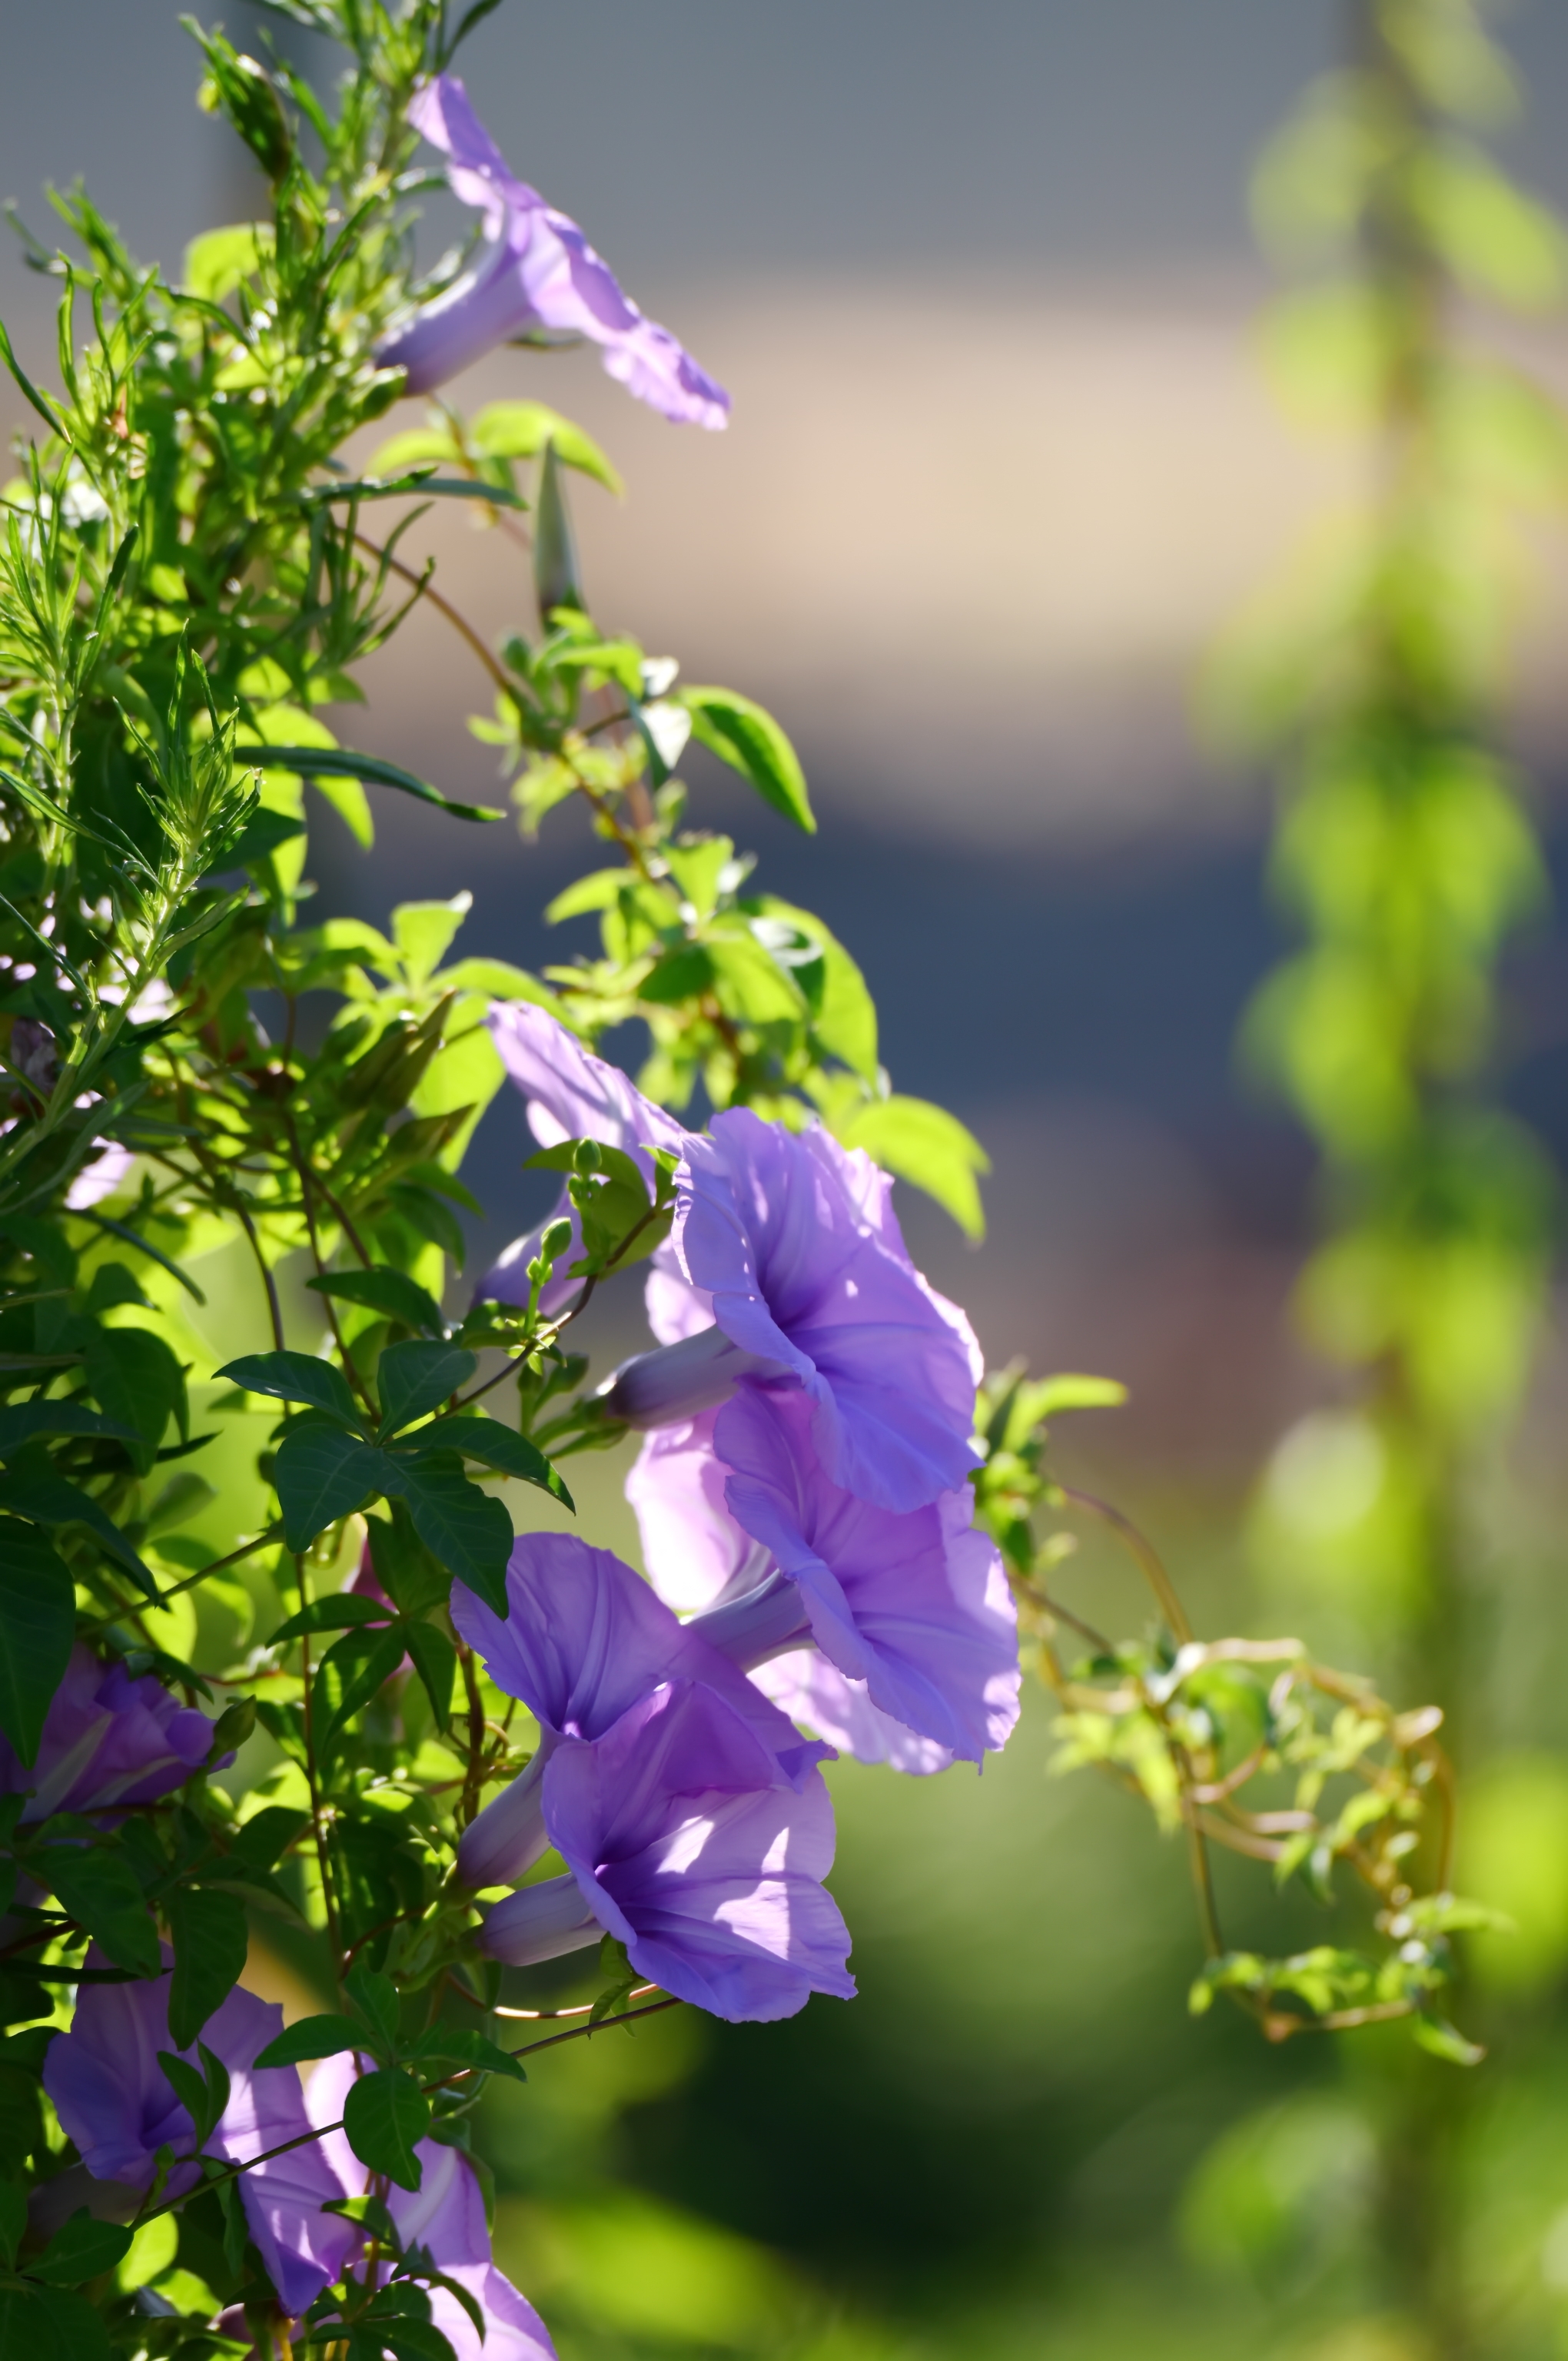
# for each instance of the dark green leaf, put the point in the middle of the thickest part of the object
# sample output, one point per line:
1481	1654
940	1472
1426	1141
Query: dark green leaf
459	2044
203	2095
263	833
21	1423
31	1487
389	1291
336	762
414	1379
236	2228
295	1377
403	487
502	1448
103	1894
263	1841
342	1612
208	1932
435	1662
321	1474
134	1239
81	2250
139	1384
741	734
359	1665
311	2036
375	1997
405	1569
45	2323
13	2219
385	2116
416	2340
38	1619
469	1532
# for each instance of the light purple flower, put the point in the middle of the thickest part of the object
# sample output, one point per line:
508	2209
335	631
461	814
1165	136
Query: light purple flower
697	1555
445	2215
536	271
912	1605
794	1240
816	1693
583	1640
109	1738
570	1094
115	2100
684	1841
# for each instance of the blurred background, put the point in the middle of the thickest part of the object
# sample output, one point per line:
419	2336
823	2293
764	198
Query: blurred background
1002	468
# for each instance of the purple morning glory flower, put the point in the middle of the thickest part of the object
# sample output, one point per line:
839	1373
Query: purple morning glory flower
115	2102
110	1738
682	1840
814	1693
445	2215
914	1604
794	1240
697	1555
536	271
570	1094
583	1639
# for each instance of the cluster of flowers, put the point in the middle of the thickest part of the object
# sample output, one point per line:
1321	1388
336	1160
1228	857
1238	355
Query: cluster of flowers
804	1504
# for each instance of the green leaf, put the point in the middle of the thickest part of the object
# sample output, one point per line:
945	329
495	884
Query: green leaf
79	2250
741	734
311	2036
217	261
208	1932
45	2323
460	2045
362	1662
469	1532
385	2116
342	1612
520	430
102	1893
435	1662
1444	2040
405	1569
203	2095
13	2219
414	1379
37	1623
263	833
375	1998
295	1377
352	804
403	487
927	1146
502	1448
22	1422
320	1475
30	1488
261	1842
329	761
423	932
139	1384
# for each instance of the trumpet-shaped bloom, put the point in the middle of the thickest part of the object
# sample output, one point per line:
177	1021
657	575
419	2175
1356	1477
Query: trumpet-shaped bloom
794	1241
115	2101
570	1094
585	1638
445	2215
697	1555
684	1841
535	271
110	1738
814	1692
915	1606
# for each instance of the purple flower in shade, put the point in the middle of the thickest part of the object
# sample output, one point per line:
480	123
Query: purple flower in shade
682	1840
794	1241
570	1094
445	2215
814	1693
109	1738
115	2102
585	1638
536	271
913	1606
